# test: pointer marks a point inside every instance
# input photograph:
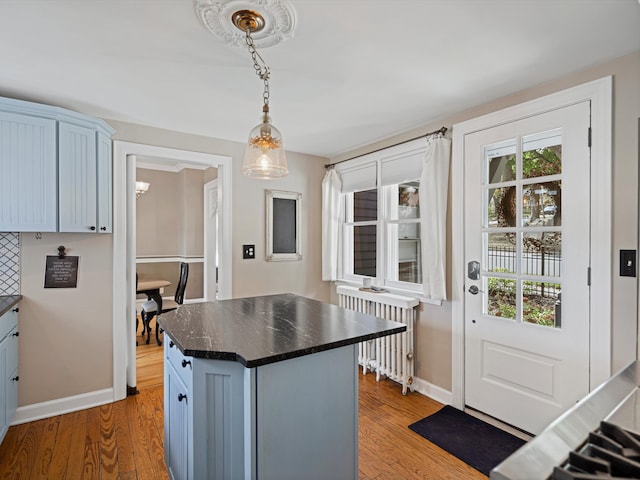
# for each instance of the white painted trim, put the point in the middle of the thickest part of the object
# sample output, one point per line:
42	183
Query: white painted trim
392	299
599	92
457	268
165	167
59	406
169	259
395	291
210	287
432	391
124	302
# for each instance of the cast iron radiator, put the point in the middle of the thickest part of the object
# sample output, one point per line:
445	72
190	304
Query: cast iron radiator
391	356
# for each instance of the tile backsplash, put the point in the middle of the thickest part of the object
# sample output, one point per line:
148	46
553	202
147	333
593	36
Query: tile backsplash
9	263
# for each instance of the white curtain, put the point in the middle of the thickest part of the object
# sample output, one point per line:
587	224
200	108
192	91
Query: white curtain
434	184
331	211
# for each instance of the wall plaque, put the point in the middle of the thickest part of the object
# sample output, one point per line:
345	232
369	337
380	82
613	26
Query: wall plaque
61	272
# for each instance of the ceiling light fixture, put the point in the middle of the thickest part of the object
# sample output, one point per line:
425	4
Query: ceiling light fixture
265	157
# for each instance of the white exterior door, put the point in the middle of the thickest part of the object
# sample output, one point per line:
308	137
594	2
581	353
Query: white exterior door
526	210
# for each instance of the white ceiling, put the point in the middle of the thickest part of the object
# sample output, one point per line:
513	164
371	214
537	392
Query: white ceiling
356	71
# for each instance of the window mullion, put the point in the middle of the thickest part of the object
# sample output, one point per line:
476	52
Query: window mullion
382	232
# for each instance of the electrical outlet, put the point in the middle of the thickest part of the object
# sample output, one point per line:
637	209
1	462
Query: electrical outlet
627	263
248	251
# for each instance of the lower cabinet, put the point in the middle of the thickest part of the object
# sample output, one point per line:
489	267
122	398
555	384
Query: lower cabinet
176	425
8	369
287	420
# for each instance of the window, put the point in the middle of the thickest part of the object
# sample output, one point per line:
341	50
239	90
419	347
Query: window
381	220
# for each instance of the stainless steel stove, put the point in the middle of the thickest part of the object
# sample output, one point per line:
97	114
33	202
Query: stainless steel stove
598	438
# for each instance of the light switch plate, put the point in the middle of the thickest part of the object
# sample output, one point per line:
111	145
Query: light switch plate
627	263
248	251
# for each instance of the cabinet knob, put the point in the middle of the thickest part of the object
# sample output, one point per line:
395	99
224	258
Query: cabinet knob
17	309
104	229
17	334
92	228
171	344
185	363
181	397
16	378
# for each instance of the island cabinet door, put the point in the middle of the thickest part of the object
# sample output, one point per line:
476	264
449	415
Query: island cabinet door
222	418
176	425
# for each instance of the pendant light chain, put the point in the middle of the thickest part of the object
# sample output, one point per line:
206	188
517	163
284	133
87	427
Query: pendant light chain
261	70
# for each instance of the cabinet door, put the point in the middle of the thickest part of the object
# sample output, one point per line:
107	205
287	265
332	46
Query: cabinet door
4	421
77	178
11	374
105	212
28	194
176	431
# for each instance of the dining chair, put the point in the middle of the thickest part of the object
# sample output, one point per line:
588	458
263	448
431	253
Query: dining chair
149	308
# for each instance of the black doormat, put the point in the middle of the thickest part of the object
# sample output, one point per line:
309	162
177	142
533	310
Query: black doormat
473	441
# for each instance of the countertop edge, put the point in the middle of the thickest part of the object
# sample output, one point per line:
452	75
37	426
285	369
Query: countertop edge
7	302
259	362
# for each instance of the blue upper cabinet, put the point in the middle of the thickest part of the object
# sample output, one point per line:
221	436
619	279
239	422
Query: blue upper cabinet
28	176
55	170
77	178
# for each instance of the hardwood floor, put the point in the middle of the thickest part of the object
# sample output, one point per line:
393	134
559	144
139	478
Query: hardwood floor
123	440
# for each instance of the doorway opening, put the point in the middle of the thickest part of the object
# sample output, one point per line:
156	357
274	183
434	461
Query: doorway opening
127	156
173	227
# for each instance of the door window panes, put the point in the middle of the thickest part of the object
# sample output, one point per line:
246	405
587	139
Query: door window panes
541	303
521	239
542	154
501	297
501	207
542	254
500	164
541	204
501	252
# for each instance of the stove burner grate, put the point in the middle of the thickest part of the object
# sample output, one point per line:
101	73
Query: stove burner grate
609	453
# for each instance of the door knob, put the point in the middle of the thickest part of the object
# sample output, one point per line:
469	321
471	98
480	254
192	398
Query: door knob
473	290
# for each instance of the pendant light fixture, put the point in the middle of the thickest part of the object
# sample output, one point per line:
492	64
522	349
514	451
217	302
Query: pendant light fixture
265	157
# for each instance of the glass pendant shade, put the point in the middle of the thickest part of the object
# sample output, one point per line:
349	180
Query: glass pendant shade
265	157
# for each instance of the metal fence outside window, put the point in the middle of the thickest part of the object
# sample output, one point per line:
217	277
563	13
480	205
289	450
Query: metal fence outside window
542	263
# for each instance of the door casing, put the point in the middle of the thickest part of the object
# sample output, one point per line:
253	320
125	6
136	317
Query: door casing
124	246
599	92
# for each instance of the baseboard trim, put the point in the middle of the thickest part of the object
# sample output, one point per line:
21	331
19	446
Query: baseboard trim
38	411
432	391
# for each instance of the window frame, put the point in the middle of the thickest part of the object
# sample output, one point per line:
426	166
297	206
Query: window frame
387	249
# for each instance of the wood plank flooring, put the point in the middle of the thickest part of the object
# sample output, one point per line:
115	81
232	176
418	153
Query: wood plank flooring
124	440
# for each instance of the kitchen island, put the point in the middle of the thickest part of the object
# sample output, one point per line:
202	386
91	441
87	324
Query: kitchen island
264	388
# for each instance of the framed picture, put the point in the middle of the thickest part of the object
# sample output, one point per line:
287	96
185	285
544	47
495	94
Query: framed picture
283	226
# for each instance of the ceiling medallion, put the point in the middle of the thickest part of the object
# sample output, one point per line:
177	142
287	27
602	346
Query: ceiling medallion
279	20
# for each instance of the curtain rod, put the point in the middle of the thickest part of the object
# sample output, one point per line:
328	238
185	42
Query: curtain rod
440	131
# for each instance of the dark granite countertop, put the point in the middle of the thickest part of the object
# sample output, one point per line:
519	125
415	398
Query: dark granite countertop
7	302
257	331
